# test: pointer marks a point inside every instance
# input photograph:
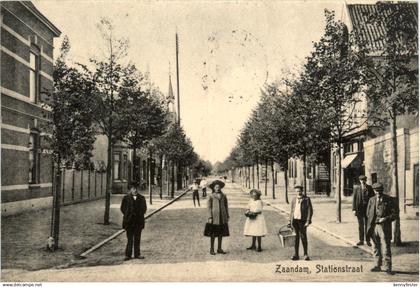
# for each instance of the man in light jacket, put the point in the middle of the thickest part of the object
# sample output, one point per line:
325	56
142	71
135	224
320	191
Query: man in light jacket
300	217
381	211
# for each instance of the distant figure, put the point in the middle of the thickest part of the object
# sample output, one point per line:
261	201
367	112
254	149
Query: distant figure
217	206
381	211
203	185
225	178
255	222
133	207
300	218
195	187
362	194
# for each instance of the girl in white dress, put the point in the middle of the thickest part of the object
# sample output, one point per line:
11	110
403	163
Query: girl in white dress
255	222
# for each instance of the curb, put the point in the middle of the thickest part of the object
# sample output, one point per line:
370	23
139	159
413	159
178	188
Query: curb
319	228
119	232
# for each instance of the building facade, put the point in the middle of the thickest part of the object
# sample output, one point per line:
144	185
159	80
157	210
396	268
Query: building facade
367	150
27	43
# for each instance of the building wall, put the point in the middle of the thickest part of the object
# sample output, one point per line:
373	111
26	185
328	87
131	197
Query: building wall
378	160
20	30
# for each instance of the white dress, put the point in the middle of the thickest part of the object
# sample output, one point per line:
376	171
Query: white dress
256	226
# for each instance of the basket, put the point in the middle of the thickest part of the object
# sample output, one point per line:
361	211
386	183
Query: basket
286	236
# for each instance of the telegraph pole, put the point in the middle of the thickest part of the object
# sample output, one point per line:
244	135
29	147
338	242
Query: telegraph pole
177	79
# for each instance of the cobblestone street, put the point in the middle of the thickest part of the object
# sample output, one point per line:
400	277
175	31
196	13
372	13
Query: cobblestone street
176	250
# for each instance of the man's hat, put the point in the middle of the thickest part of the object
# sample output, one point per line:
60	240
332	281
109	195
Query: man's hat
378	186
362	177
218	182
255	191
299	186
134	184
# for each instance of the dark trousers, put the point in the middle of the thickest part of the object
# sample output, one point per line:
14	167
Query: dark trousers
362	220
300	230
204	192
196	196
133	240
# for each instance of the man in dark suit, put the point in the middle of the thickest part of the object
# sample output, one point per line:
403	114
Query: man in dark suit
381	211
361	195
300	218
133	206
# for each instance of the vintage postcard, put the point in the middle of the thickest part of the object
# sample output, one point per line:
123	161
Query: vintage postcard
209	141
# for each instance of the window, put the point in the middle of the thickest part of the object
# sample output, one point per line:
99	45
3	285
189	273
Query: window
34	75
374	178
117	166
125	166
34	157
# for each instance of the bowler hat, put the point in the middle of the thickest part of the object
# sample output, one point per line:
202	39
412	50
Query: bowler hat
256	191
378	186
362	177
299	186
218	182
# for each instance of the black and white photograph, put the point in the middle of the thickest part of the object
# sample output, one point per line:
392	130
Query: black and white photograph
222	141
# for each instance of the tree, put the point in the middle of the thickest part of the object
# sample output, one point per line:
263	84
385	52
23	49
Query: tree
178	149
337	76
70	130
108	76
143	117
393	77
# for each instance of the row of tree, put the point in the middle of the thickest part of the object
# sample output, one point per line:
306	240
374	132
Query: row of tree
116	100
341	89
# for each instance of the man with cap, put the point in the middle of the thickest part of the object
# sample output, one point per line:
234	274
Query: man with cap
361	195
300	218
381	211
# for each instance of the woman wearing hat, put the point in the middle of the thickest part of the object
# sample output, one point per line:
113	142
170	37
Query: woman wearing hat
255	222
217	226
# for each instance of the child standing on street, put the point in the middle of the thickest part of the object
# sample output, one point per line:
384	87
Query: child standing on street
255	222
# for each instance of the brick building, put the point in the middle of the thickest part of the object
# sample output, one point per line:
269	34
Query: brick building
367	150
27	43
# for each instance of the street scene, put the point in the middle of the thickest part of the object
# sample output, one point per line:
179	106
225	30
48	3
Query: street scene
179	141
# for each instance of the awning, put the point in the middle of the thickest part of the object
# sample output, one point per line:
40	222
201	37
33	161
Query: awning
348	160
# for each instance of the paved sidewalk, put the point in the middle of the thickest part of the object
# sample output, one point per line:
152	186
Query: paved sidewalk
324	220
23	236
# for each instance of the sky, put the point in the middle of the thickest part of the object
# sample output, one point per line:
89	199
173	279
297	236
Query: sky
228	50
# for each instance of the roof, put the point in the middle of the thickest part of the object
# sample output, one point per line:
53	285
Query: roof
368	32
31	7
170	91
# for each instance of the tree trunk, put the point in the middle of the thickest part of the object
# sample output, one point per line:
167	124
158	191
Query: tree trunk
265	177
253	175
286	187
133	163
168	185
338	211
272	177
160	175
396	224
172	179
56	206
149	178
304	173
258	173
108	182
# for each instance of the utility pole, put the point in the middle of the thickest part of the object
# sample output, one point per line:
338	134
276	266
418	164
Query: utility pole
177	79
